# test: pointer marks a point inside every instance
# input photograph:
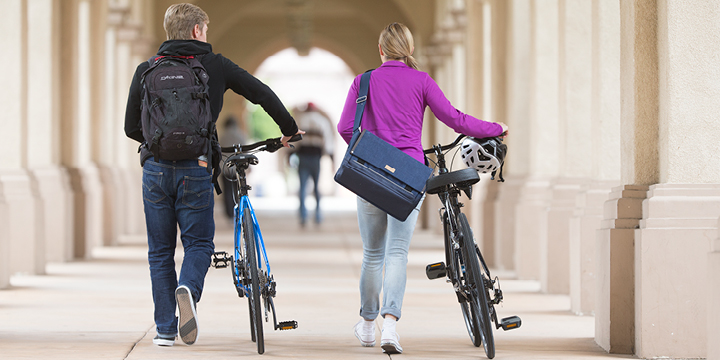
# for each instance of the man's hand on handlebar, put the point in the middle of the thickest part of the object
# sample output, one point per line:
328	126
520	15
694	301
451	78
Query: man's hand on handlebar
285	139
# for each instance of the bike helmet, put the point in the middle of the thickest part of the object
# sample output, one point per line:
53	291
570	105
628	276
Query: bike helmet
485	155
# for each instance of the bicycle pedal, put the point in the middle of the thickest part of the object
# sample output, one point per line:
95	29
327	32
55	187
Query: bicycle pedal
221	260
435	271
287	325
509	323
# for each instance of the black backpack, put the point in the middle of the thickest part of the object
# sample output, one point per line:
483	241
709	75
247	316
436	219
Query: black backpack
176	119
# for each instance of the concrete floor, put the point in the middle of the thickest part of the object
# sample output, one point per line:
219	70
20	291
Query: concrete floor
102	308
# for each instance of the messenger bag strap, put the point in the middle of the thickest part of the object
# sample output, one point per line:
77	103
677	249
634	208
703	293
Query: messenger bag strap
362	99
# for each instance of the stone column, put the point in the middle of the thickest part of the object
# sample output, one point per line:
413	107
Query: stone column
76	130
604	139
446	56
575	70
518	119
680	213
44	129
130	49
531	229
24	233
639	167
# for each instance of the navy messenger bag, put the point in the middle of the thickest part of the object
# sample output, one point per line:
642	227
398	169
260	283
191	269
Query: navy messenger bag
378	172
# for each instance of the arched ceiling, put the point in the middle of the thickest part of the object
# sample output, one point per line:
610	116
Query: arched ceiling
248	31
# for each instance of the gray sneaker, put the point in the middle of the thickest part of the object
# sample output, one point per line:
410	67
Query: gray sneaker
187	324
164	340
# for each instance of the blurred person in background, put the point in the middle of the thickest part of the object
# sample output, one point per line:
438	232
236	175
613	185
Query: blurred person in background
232	134
317	141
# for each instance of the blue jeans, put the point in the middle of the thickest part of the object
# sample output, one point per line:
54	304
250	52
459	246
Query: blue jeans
309	166
177	194
386	241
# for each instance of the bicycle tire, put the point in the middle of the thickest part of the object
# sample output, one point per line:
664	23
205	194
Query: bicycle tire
256	325
453	259
478	291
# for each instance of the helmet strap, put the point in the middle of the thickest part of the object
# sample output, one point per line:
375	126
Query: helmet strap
500	177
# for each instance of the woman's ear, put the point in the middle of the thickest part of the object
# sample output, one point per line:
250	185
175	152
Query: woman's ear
380	49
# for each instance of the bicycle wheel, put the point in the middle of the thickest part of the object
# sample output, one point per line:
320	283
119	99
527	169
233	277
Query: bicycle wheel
453	258
255	307
478	291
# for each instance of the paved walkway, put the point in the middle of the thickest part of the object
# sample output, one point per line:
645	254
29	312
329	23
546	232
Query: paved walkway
102	308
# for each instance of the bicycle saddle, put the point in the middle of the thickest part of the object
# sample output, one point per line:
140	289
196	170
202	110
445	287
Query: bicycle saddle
462	178
243	159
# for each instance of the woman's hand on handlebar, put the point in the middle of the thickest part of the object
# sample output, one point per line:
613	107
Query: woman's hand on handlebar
285	139
504	129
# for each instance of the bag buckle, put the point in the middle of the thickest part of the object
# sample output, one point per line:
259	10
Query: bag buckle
361	99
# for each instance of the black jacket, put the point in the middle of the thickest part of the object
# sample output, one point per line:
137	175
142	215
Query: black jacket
224	74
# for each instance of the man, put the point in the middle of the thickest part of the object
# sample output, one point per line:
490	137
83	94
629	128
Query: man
178	193
318	140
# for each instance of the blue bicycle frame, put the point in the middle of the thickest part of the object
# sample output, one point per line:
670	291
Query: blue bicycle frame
240	208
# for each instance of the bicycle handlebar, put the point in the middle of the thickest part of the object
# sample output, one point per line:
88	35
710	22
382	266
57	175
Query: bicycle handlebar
271	145
445	147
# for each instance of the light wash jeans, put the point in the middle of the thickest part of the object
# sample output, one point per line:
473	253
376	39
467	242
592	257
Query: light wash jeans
386	241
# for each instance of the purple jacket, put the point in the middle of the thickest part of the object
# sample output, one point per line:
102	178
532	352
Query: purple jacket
397	98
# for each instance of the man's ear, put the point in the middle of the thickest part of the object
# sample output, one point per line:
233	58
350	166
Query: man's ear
195	31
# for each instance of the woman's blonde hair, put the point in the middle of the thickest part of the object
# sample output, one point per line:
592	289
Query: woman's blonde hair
180	19
396	41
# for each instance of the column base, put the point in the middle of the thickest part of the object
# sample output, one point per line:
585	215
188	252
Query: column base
584	224
713	318
505	204
87	210
4	242
531	227
671	283
56	195
24	231
555	249
614	264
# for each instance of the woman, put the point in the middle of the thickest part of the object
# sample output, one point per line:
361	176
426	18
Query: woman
397	97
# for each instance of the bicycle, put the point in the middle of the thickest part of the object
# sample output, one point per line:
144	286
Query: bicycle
464	266
250	264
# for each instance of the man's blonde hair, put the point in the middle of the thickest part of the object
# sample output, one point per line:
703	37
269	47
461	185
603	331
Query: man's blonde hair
396	41
180	19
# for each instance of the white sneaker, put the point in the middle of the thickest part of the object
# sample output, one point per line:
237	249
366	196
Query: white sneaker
365	332
187	323
390	342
